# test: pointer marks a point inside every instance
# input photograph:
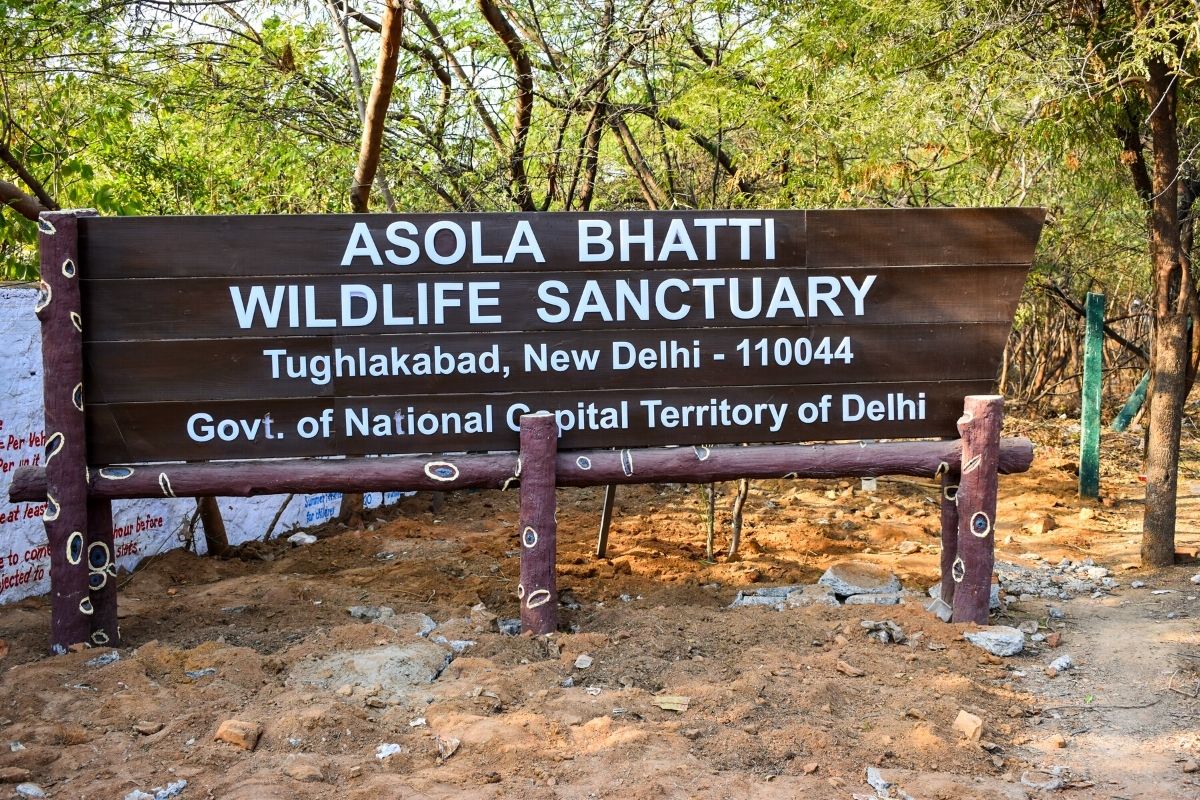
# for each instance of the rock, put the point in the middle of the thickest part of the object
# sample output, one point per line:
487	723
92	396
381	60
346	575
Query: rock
197	674
138	794
303	770
345	690
483	620
1054	639
907	548
1058	741
877	782
30	790
969	725
446	747
890	599
146	728
1097	573
111	657
1195	579
886	631
1043	524
510	627
172	789
691	733
1062	663
1049	780
847	669
999	640
583	661
239	733
301	539
370	613
395	669
1137	584
849	578
457	645
1056	613
387	750
1029	626
812	595
811	767
14	774
1087	513
1191	766
940	609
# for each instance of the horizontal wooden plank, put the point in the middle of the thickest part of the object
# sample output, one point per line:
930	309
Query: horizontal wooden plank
205	308
241	246
115	247
496	470
884	237
329	366
135	432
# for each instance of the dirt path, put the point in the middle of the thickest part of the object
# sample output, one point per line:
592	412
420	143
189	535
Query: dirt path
1126	727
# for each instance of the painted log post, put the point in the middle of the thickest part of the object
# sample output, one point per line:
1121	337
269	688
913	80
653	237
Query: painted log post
66	517
538	589
606	514
102	572
102	553
972	568
1089	418
949	504
497	470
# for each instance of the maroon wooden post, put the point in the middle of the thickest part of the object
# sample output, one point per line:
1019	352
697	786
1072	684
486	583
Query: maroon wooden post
66	516
102	572
971	570
538	589
950	480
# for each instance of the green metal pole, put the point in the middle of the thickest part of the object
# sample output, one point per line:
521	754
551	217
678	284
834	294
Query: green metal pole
1089	435
1132	406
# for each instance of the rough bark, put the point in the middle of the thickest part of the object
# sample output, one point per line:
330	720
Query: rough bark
215	538
377	106
538	589
1171	289
522	104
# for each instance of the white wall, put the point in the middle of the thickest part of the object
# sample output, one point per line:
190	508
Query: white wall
142	527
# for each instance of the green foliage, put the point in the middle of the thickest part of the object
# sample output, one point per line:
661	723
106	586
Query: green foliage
249	107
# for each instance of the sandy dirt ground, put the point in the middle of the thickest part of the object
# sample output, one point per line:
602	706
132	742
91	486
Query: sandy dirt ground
779	704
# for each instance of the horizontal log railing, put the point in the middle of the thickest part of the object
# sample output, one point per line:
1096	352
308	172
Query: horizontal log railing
500	470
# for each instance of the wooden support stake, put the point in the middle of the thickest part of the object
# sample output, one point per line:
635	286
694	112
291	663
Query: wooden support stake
735	522
66	516
1093	371
710	520
606	512
972	568
538	589
950	479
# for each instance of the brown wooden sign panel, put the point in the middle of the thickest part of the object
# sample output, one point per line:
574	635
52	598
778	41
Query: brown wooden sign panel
361	366
256	337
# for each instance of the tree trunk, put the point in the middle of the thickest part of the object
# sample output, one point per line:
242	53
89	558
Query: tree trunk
1172	287
377	106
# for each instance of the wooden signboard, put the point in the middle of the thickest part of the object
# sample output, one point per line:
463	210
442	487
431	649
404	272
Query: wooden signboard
258	337
183	356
